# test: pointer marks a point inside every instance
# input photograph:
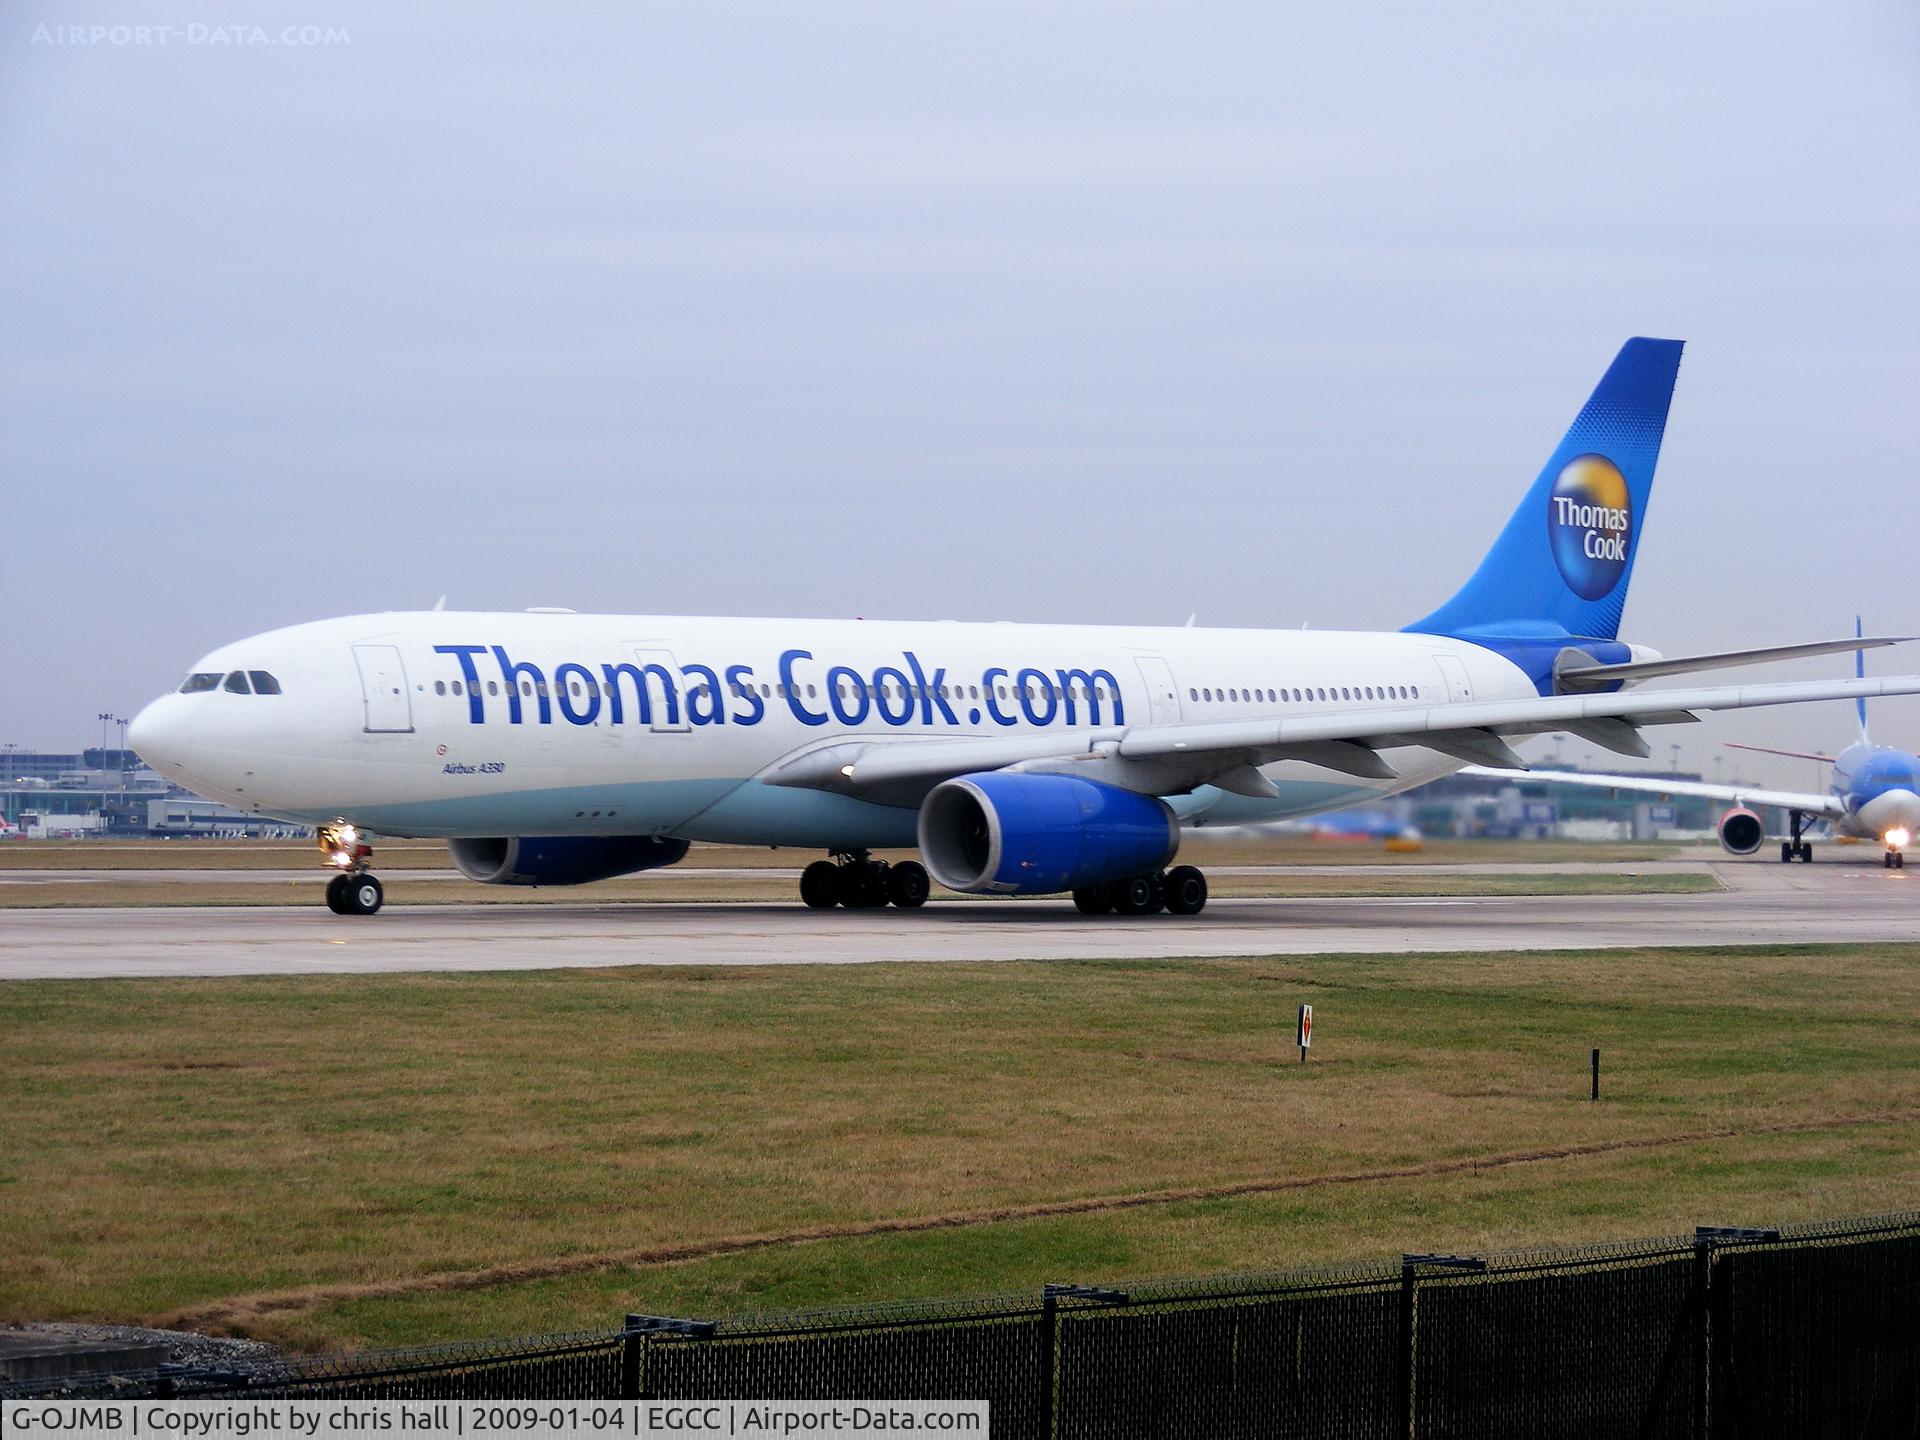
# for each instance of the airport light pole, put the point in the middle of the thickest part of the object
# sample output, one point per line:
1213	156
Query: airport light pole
107	721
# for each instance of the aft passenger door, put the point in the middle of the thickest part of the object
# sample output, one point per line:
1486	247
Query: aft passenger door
1163	694
1454	674
383	689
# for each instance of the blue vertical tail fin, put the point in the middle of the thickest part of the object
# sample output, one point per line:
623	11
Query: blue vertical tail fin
1563	562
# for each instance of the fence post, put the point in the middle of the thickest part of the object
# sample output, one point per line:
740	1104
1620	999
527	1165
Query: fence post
1406	1344
633	1339
1712	1353
1049	1320
1050	1297
1409	1266
1702	1278
630	1342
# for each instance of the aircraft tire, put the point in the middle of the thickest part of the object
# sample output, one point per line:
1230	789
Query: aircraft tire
1186	890
364	895
1094	900
337	894
819	885
1806	852
1135	896
1786	852
908	885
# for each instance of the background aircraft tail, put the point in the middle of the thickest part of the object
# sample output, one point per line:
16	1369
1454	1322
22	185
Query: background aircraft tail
1860	670
1562	565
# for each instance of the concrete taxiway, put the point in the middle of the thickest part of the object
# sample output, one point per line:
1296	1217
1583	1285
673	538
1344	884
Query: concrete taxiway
1761	903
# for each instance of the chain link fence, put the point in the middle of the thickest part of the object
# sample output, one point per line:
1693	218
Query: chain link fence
1728	1333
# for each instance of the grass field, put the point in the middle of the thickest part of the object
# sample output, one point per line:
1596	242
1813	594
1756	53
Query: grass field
348	1161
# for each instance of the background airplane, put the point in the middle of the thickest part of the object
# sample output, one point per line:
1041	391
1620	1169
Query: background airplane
553	748
1874	794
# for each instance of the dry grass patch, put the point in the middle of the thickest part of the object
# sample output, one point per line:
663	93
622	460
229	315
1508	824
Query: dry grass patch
181	1145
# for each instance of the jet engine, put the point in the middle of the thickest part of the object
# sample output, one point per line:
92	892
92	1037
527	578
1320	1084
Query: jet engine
1005	833
1741	831
561	859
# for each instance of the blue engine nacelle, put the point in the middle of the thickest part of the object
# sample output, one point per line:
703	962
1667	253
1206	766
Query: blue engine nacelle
1013	834
561	859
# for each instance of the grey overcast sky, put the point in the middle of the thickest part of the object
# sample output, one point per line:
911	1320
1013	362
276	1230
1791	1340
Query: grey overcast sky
1090	313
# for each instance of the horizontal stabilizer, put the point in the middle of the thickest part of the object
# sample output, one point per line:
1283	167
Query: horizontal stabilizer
1576	678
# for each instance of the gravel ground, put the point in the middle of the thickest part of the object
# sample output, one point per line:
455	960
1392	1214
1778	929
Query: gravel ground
183	1346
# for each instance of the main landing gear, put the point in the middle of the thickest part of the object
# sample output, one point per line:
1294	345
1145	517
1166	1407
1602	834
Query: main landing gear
859	882
1796	848
355	890
1179	891
1894	860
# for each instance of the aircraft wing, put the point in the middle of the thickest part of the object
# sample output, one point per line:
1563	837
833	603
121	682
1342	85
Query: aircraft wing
1172	759
1805	802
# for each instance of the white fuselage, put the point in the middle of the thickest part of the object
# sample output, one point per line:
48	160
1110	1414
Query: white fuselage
489	724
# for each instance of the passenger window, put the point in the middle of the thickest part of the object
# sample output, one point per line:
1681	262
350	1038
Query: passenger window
439	687
237	684
195	683
526	688
456	687
263	683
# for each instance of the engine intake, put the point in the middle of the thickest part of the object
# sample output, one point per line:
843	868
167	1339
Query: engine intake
1013	834
1741	831
561	859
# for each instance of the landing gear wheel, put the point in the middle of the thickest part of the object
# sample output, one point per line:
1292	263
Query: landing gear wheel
1094	900
819	885
1136	896
1787	848
908	885
337	893
1806	852
364	895
1899	859
1186	890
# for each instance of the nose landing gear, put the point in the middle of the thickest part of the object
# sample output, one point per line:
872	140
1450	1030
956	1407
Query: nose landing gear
1796	848
355	890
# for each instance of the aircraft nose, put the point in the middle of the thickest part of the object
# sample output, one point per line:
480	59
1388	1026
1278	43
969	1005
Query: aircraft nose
162	735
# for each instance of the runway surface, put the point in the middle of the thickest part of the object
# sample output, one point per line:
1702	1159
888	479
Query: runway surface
1762	903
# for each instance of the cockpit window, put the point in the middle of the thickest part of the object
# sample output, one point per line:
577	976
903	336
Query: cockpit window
237	684
199	681
263	683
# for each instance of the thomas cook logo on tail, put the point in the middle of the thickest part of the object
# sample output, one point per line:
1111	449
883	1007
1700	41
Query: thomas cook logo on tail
1590	525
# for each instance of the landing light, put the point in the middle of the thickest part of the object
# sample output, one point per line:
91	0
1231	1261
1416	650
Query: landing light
1898	838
